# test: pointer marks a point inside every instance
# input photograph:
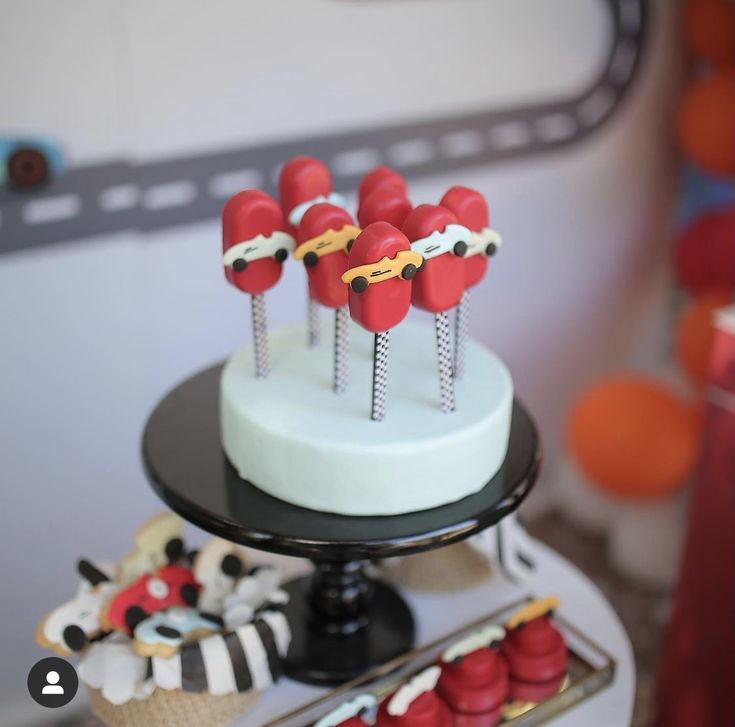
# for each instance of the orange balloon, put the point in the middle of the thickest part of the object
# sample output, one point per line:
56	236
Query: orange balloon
705	123
694	334
709	30
632	437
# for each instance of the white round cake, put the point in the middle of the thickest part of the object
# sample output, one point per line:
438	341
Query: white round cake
293	437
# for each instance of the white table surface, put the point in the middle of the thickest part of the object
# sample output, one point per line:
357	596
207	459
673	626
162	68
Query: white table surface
582	604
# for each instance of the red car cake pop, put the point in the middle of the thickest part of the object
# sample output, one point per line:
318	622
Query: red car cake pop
470	208
535	651
325	235
437	236
474	679
302	183
416	704
381	269
350	714
385	204
255	245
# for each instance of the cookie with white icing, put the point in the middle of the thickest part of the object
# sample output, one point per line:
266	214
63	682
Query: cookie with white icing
158	542
71	627
164	632
218	566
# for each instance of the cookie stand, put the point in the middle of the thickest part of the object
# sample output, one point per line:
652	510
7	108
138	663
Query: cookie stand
343	622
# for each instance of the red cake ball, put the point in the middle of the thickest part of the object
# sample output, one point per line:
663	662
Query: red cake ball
416	704
381	269
536	653
324	236
705	253
303	182
436	235
705	122
474	679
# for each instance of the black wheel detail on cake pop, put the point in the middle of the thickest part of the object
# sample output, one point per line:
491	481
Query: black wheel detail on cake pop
231	566
75	638
408	272
189	594
281	255
491	249
359	284
133	616
460	248
350	243
311	259
239	265
174	549
422	266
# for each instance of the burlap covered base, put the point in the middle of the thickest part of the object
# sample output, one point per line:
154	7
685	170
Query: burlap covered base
452	568
173	708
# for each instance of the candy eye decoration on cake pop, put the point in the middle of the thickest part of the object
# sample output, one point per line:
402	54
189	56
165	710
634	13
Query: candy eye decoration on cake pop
255	245
470	208
350	713
437	236
303	183
381	267
325	236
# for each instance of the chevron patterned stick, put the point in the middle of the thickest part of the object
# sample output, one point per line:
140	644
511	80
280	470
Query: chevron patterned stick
380	376
313	322
444	356
341	349
260	337
461	333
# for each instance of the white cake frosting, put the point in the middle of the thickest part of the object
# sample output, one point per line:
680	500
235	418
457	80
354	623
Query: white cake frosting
293	437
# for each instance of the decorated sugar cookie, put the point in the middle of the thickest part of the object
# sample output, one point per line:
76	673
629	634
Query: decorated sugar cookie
325	235
350	714
71	627
217	568
164	632
381	271
157	541
435	233
474	678
255	244
165	587
416	704
303	183
470	208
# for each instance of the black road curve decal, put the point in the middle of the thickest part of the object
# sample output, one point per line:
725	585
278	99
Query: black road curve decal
86	201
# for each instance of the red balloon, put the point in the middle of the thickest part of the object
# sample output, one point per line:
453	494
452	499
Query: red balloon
704	257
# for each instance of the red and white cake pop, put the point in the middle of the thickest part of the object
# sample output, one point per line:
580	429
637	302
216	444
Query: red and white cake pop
302	183
384	177
416	704
437	236
470	209
255	245
380	274
474	679
325	234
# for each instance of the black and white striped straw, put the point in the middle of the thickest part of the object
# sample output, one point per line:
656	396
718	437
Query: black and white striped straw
444	357
380	376
260	336
461	334
313	323
341	349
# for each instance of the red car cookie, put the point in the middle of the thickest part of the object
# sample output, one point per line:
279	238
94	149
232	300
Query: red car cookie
254	241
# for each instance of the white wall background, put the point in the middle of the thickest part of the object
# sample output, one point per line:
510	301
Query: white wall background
93	332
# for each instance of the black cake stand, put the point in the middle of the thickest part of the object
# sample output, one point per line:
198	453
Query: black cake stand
343	621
